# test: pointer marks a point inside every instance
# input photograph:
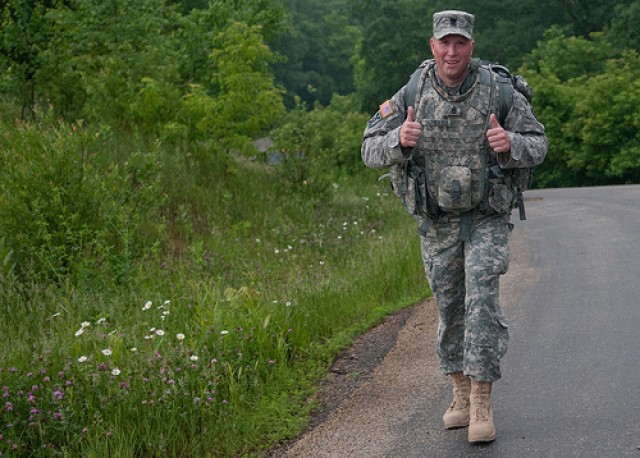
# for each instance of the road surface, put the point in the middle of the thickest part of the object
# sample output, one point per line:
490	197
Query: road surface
571	377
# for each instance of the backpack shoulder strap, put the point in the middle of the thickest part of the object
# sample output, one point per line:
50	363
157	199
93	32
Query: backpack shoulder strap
508	82
411	90
505	89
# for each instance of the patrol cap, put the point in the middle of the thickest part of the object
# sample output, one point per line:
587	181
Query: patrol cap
452	22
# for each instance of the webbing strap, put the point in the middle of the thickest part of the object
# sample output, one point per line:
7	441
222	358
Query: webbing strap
465	226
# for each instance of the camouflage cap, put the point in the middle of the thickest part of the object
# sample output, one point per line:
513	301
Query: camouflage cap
452	22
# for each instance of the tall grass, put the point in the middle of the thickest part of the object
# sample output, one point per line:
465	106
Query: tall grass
212	343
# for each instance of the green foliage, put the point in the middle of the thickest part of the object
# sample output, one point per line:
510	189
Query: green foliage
317	49
321	144
570	57
66	211
25	33
395	41
624	32
606	123
217	354
202	22
585	98
102	54
248	99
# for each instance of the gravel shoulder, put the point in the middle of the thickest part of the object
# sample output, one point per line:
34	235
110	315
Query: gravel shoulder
370	388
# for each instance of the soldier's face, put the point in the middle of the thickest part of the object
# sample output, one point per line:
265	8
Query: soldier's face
452	54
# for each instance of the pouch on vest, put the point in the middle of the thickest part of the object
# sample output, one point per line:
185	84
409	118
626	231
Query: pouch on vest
454	188
408	183
501	198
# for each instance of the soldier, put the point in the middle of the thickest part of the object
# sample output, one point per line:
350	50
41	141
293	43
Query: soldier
456	138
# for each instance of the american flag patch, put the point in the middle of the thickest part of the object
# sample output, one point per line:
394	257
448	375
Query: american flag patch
385	109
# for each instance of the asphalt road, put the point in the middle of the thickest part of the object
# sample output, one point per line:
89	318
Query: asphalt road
571	377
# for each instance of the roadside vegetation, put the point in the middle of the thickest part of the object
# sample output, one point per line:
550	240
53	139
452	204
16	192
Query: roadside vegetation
168	291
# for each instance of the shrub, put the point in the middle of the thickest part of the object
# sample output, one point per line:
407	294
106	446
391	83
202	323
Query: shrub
66	212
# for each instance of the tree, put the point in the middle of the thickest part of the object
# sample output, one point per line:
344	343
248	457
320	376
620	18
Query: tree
25	32
316	51
247	99
586	96
625	27
395	41
608	125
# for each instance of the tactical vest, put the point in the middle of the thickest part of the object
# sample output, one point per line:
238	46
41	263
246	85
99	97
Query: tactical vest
453	149
452	169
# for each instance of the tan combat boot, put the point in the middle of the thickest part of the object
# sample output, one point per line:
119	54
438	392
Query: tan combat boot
457	415
481	427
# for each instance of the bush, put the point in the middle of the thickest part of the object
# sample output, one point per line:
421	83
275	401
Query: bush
67	212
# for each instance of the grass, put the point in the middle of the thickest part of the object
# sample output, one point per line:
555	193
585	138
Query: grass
215	345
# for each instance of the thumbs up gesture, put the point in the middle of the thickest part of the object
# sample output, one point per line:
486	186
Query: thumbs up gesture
410	131
498	138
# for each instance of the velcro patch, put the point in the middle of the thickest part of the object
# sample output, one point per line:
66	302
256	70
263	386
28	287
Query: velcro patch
385	109
377	117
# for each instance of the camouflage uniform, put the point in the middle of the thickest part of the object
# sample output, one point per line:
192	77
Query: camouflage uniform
464	251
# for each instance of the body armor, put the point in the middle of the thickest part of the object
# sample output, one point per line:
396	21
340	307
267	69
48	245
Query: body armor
453	150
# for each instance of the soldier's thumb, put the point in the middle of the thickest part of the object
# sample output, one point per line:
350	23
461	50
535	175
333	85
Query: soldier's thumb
494	121
410	115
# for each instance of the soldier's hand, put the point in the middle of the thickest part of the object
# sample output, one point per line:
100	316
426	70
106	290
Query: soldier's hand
499	139
410	131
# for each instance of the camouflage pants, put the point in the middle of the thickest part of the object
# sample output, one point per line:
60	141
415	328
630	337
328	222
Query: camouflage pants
464	279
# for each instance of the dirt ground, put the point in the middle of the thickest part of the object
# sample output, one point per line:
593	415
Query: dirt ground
395	356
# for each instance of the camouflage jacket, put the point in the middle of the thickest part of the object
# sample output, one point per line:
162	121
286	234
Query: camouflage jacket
381	141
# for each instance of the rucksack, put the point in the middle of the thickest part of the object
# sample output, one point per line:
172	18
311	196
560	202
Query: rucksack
520	178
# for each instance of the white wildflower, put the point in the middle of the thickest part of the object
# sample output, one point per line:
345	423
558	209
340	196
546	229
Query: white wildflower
180	336
115	371
147	305
82	359
85	324
79	332
106	352
159	332
224	332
